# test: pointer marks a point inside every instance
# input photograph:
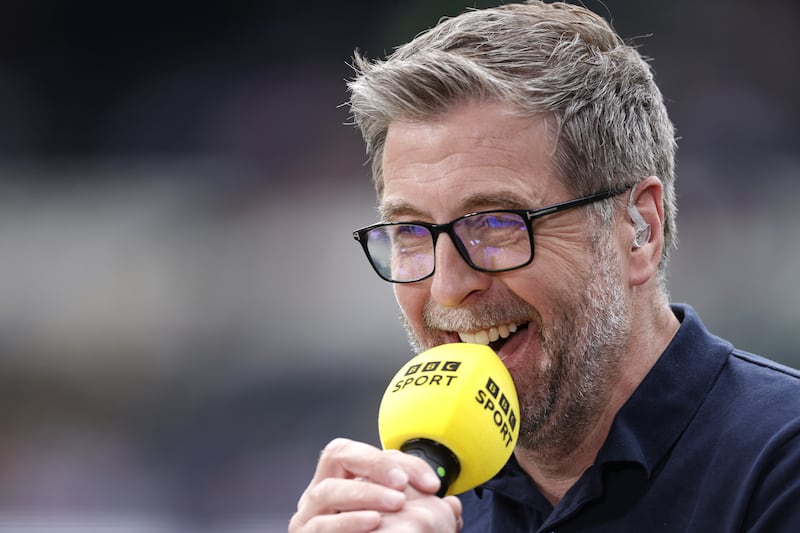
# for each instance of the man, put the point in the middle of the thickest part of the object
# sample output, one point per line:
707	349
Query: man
633	417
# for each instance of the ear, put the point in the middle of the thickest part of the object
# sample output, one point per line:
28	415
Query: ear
644	229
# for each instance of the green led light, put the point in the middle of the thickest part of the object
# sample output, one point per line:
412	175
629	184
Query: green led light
441	471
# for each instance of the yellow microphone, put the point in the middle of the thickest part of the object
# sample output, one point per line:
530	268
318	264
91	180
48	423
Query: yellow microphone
455	406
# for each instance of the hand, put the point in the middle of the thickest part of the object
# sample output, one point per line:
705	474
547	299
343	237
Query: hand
359	488
424	513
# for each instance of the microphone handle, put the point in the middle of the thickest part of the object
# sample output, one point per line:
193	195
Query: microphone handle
439	457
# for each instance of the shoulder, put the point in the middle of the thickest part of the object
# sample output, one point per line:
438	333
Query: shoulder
744	441
740	387
761	389
765	367
755	406
763	398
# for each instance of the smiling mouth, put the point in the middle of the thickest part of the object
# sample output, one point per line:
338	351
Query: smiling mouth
494	337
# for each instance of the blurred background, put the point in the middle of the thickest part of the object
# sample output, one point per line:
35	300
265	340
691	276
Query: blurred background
185	319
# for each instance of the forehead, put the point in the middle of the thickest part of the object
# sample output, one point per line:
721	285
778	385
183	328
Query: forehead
473	156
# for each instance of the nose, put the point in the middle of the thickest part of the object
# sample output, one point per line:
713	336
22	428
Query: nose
453	279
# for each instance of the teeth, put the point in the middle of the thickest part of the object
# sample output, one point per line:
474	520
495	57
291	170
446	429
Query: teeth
486	336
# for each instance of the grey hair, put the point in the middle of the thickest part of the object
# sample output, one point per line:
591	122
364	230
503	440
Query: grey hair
557	60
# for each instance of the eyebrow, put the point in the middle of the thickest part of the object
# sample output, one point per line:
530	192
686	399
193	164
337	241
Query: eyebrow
475	202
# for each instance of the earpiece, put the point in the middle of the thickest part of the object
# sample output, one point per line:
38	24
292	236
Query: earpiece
640	227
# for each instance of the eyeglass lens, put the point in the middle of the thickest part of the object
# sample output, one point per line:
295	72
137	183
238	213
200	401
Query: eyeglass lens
488	241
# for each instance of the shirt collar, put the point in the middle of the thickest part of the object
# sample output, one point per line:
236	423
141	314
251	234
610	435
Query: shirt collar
663	405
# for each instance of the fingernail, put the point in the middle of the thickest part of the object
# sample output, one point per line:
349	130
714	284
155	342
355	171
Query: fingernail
430	479
398	477
393	499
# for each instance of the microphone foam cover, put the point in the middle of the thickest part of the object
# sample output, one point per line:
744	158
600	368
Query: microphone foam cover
461	396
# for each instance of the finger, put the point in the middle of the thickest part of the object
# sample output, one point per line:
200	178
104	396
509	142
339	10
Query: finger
455	506
454	503
345	458
352	522
422	515
334	496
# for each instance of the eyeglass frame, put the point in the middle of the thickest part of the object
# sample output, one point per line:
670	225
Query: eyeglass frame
527	215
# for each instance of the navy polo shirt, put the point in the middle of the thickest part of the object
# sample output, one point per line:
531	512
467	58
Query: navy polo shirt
708	442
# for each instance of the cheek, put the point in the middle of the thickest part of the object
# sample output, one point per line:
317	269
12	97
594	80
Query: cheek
558	264
411	298
548	277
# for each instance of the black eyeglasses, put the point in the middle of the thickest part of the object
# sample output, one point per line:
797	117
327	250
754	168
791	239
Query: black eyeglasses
489	241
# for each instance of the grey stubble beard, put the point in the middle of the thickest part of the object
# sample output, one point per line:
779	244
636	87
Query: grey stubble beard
584	343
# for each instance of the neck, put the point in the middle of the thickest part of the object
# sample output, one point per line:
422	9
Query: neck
555	470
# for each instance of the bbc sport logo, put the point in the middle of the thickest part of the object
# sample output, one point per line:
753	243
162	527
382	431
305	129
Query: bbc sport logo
433	366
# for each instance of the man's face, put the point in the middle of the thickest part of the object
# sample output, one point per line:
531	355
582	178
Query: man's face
561	321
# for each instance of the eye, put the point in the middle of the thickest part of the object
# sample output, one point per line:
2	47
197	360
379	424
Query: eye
408	239
500	221
492	230
411	231
493	223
